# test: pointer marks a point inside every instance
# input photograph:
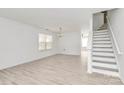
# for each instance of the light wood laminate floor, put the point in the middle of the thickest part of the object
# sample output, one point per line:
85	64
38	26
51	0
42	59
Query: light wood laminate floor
57	69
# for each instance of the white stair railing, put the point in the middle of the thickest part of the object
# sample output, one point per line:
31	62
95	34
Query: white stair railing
114	39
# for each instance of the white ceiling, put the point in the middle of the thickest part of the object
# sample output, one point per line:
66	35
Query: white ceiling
70	19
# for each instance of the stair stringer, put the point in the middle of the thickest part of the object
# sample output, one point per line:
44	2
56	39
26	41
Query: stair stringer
116	59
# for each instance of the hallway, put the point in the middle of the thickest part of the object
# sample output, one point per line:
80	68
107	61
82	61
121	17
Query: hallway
55	70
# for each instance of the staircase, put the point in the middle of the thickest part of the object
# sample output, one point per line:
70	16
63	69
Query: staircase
103	58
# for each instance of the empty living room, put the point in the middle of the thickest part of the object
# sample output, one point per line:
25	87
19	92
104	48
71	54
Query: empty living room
61	46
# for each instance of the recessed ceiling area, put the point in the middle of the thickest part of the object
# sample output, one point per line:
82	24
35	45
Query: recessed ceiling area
70	19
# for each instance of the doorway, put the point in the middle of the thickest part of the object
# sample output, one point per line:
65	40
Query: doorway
84	46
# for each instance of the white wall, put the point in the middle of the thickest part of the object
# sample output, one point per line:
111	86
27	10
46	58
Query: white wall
70	43
98	20
19	43
116	17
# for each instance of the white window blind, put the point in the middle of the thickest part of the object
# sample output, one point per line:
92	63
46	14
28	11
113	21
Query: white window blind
45	41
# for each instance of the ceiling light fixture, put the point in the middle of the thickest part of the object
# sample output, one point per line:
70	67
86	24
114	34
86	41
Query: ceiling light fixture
60	34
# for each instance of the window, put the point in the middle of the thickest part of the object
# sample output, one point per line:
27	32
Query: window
45	41
84	39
